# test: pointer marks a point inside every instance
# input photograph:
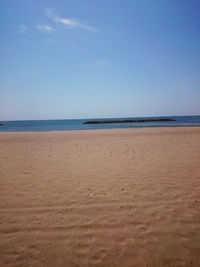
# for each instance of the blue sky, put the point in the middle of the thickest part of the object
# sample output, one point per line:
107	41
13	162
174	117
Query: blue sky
90	58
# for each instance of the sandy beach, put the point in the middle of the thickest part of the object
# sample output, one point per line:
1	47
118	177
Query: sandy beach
118	197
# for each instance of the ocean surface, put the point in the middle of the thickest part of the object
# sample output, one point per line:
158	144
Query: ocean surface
66	125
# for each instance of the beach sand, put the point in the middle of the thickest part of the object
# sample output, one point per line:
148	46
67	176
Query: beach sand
118	197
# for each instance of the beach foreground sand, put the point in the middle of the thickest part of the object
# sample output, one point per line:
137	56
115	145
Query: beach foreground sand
100	198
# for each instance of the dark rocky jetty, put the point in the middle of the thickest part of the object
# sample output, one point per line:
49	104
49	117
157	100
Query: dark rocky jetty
1	124
128	121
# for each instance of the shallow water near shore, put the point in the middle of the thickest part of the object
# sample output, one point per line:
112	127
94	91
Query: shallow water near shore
77	124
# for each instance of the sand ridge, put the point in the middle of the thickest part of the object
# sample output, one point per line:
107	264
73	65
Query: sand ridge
118	197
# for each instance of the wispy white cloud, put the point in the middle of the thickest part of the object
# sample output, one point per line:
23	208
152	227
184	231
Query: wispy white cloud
45	28
22	29
70	22
73	23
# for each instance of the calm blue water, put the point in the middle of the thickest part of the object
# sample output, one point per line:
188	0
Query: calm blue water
63	125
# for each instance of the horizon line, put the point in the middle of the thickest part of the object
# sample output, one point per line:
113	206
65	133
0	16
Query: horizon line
156	116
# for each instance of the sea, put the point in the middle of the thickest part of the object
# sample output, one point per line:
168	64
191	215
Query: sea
77	124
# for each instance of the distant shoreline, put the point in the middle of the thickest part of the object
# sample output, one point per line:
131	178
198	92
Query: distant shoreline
128	121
